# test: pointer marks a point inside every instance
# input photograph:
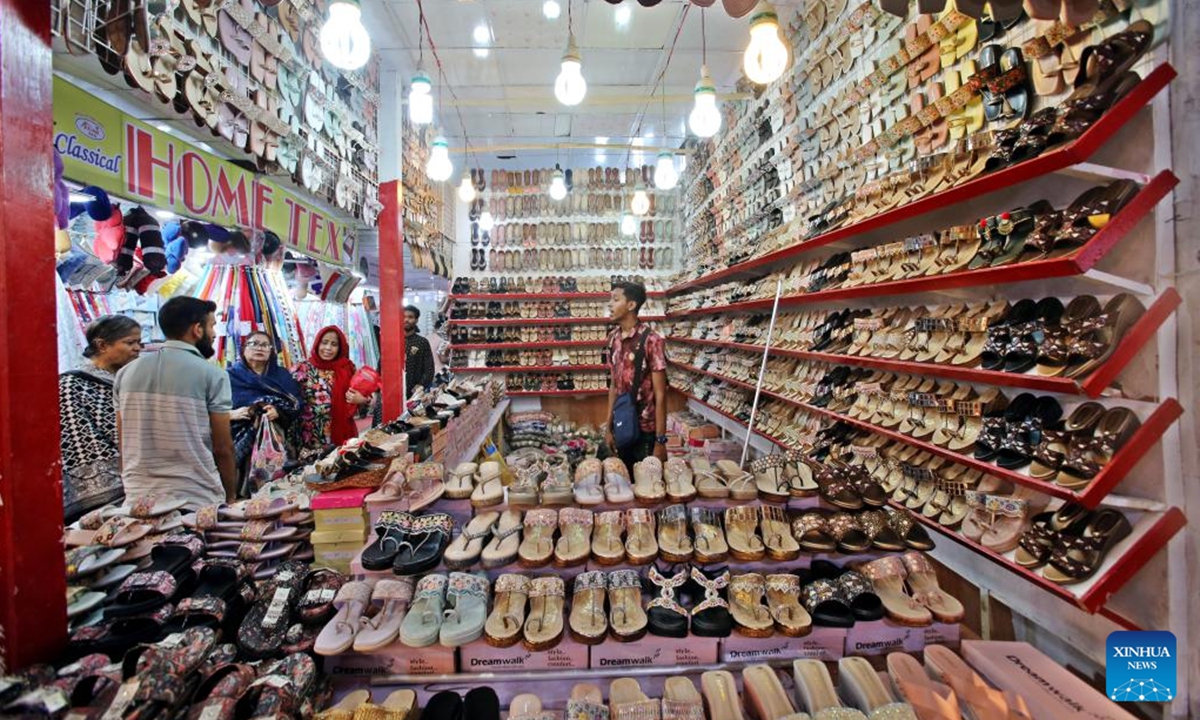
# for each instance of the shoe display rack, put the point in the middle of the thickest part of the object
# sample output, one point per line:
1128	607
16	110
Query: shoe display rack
946	280
428	226
256	81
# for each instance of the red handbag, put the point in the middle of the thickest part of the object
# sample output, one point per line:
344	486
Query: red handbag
366	381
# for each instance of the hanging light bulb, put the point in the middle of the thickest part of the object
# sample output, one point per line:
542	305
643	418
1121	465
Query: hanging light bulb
628	224
344	41
439	168
570	87
420	99
486	221
767	56
558	184
466	190
665	175
705	119
641	201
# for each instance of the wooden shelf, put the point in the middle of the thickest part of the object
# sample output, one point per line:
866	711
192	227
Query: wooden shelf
1092	385
536	393
1144	438
1048	162
1079	262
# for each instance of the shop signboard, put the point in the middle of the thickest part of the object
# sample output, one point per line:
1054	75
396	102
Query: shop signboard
102	146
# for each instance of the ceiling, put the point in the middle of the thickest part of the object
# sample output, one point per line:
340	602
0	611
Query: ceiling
507	96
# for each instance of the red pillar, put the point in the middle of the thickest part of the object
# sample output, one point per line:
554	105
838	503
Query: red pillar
32	575
391	296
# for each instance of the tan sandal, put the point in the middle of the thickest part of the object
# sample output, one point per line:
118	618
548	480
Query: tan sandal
783	600
765	695
710	545
640	546
887	576
626	701
537	546
741	533
674	543
777	534
588	622
544	625
575	537
626	617
648	485
680	485
503	626
502	549
607	547
750	617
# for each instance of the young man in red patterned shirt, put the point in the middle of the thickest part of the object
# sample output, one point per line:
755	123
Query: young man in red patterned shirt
623	343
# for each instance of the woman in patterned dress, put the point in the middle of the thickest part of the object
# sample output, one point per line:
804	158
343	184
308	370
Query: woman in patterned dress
329	403
91	472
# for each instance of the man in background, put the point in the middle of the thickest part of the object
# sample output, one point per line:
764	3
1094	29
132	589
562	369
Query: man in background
173	413
632	339
418	356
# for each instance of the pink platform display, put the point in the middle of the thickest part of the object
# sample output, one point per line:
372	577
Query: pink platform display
396	659
480	657
652	650
823	643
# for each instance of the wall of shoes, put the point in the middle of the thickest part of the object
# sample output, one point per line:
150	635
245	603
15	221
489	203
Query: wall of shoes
252	74
534	304
959	220
429	222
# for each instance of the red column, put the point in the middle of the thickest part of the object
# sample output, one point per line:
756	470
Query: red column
32	577
391	296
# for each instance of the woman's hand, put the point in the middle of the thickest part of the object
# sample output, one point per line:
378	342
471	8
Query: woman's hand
354	397
271	413
242	413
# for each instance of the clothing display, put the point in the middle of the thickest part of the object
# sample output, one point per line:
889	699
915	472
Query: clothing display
914	272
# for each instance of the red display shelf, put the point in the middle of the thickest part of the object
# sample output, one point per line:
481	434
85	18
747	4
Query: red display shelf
1070	154
721	412
545	296
1092	385
1144	438
530	346
532	368
548	321
1082	260
538	393
1151	532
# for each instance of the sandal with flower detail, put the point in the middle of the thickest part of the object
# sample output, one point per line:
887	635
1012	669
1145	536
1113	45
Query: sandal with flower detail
741	533
463	620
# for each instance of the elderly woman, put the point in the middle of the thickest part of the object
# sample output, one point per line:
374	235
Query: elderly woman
91	470
329	402
261	387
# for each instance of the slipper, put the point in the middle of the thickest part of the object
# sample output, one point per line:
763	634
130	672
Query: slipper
320	588
90	559
463	621
348	707
400	704
462	481
465	550
489	488
255	531
383	628
422	623
256	509
338	634
121	532
617	488
588	474
264	627
503	626
680	485
83	603
147	506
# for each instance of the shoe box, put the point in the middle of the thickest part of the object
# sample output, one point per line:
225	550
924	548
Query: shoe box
341	525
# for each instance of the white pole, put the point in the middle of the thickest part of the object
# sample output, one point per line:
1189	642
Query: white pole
762	368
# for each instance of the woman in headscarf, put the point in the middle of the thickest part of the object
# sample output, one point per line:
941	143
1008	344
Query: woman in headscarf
261	387
91	471
329	403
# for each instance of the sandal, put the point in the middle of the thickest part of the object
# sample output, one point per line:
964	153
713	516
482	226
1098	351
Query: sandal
537	545
383	628
710	617
574	542
710	545
1076	558
675	545
463	621
502	549
783	593
503	626
607	547
680	487
461	483
422	625
640	545
665	616
770	478
888	575
648	487
337	637
627	619
544	625
741	533
777	534
465	550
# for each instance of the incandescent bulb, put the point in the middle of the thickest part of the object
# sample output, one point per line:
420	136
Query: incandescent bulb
558	185
439	168
344	41
570	87
767	55
466	190
641	201
665	175
705	119
420	99
486	221
628	224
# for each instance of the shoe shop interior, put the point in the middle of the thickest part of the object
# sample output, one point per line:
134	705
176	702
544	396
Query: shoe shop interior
599	359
